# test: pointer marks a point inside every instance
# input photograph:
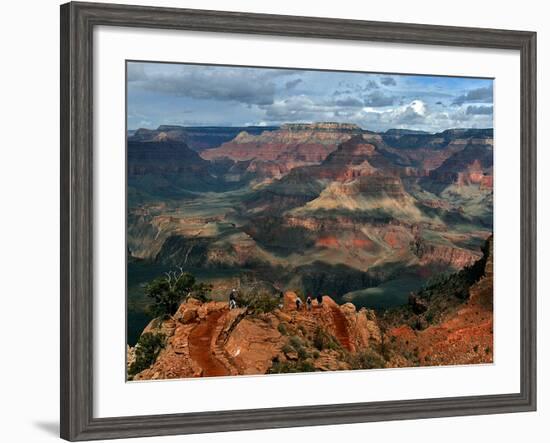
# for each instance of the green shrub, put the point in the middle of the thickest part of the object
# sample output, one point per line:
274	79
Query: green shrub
287	349
147	350
290	367
282	329
201	292
295	342
257	301
418	323
429	316
302	353
367	359
323	340
168	291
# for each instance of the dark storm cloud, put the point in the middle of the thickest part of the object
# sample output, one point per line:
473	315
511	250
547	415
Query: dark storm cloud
479	110
388	81
216	87
252	86
292	84
478	95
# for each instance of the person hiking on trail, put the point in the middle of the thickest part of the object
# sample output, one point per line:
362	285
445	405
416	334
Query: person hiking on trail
298	303
308	302
320	300
233	299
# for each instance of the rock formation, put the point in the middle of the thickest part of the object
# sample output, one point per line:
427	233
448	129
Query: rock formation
449	330
208	339
290	146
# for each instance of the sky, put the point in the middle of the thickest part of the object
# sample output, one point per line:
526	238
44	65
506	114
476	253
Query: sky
202	95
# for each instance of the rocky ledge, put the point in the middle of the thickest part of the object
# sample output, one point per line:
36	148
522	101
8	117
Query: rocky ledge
208	339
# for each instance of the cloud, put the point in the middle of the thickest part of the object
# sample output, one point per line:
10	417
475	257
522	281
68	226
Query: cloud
371	84
342	92
136	72
378	99
479	110
248	86
414	112
218	95
350	101
297	108
349	88
388	81
477	95
291	84
418	114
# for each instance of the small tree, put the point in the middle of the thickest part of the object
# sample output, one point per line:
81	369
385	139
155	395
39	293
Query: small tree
257	301
201	291
147	350
169	290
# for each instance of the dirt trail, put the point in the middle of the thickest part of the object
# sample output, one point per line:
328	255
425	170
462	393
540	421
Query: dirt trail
200	346
341	329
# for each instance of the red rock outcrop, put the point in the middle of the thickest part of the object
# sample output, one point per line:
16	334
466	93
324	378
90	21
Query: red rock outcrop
472	165
290	146
455	257
208	339
463	336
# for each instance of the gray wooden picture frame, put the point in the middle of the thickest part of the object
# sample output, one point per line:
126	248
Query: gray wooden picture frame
77	24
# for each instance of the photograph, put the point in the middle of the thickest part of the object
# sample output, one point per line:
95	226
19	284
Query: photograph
275	221
283	220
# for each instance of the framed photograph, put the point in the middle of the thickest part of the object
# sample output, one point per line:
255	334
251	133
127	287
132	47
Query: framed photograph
274	221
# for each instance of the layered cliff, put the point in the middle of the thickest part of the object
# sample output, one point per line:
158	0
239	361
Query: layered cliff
197	138
291	145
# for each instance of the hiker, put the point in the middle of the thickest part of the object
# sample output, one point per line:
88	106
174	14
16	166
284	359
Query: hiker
320	300
281	299
308	302
298	303
233	299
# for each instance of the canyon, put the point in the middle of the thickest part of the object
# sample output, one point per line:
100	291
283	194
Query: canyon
361	217
207	339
